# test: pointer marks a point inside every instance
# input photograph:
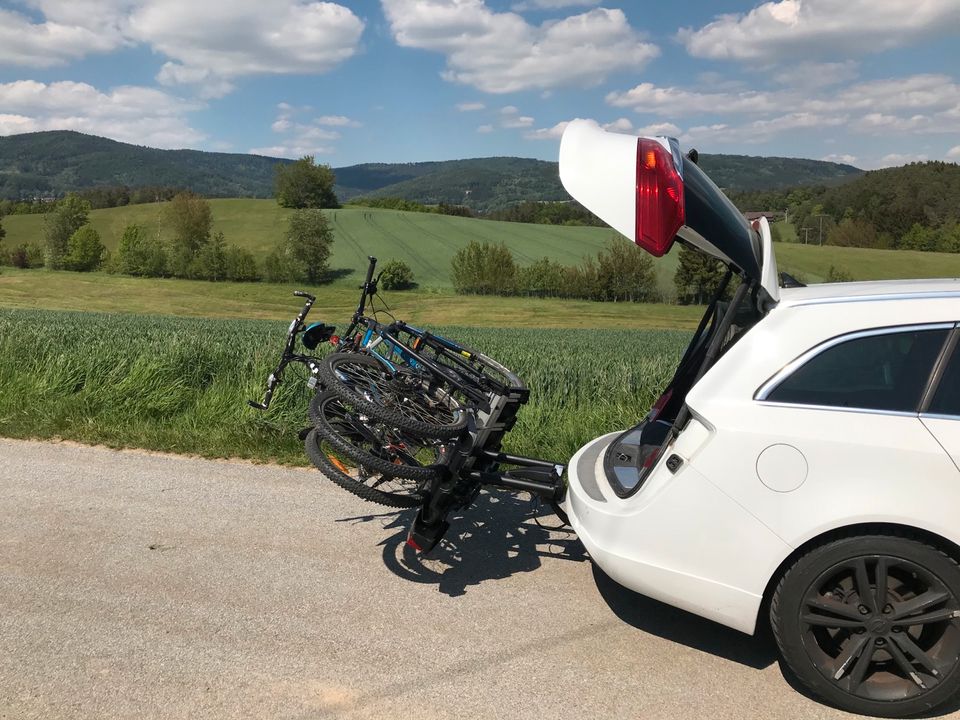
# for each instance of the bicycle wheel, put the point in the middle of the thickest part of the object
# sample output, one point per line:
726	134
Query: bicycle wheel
405	399
373	444
367	484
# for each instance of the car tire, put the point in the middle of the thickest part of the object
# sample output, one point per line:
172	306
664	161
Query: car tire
871	624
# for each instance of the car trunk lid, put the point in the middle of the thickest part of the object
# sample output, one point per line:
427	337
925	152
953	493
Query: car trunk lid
631	183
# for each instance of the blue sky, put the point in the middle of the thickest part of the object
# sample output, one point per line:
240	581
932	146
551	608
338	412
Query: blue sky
870	82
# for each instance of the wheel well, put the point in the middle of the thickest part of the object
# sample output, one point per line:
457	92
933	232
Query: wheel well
949	547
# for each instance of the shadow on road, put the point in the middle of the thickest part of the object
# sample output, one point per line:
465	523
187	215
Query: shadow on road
676	625
499	535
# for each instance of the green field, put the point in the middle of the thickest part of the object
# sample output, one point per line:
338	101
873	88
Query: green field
427	242
181	384
335	303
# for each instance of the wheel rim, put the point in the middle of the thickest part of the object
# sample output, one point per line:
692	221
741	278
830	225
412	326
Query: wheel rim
375	438
881	628
373	479
403	392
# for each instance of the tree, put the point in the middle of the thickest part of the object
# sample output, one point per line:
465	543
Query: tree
854	233
140	254
484	269
304	184
396	275
308	242
919	237
70	215
190	219
211	260
698	277
625	272
240	265
85	251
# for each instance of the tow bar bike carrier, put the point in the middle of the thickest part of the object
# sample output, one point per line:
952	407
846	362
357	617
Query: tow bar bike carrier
469	463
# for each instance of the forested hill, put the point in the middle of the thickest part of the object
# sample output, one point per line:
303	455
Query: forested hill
55	162
494	183
59	161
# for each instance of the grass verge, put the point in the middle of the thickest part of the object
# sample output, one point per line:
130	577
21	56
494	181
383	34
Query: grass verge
181	384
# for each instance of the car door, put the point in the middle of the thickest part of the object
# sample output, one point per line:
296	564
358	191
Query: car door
941	414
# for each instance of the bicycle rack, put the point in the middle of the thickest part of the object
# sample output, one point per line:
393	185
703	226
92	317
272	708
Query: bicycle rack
475	461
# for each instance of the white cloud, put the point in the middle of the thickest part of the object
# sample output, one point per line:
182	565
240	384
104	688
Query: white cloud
470	106
291	151
485	129
821	28
551	133
954	153
621	125
648	98
304	138
224	40
896	159
845	158
665	128
817	74
509	110
551	4
916	104
337	121
498	52
68	31
517	121
758	131
209	44
141	115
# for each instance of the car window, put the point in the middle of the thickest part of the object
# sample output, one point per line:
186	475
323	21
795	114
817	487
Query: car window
876	372
947	399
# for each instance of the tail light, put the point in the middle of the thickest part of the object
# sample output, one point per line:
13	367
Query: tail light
660	212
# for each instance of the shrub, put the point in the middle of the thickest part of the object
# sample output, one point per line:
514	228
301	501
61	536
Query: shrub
211	260
59	226
85	251
240	265
838	274
396	275
484	269
140	254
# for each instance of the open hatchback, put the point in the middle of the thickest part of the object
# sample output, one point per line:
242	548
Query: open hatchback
805	457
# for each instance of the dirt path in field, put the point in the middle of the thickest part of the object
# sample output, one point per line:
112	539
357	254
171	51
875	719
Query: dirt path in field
137	585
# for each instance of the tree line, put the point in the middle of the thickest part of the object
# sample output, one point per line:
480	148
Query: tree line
914	207
618	273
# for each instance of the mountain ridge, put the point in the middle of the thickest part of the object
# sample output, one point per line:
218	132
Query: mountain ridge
58	161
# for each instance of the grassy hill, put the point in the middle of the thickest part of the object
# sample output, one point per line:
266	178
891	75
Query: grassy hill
58	161
427	242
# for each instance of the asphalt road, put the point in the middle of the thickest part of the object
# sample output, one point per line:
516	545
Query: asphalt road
143	586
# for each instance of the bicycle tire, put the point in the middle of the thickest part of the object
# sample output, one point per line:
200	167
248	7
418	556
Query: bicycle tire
331	416
407	497
418	409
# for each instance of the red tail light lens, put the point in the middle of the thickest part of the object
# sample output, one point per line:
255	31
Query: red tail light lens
660	211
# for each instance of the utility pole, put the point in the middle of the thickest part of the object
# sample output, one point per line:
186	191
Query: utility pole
820	236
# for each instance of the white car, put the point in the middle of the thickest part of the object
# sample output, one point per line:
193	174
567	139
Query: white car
803	466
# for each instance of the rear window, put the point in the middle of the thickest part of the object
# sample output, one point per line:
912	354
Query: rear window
946	401
887	371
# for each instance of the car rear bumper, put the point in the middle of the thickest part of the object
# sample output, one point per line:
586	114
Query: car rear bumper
679	540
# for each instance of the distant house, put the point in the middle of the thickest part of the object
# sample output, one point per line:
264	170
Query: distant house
770	215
